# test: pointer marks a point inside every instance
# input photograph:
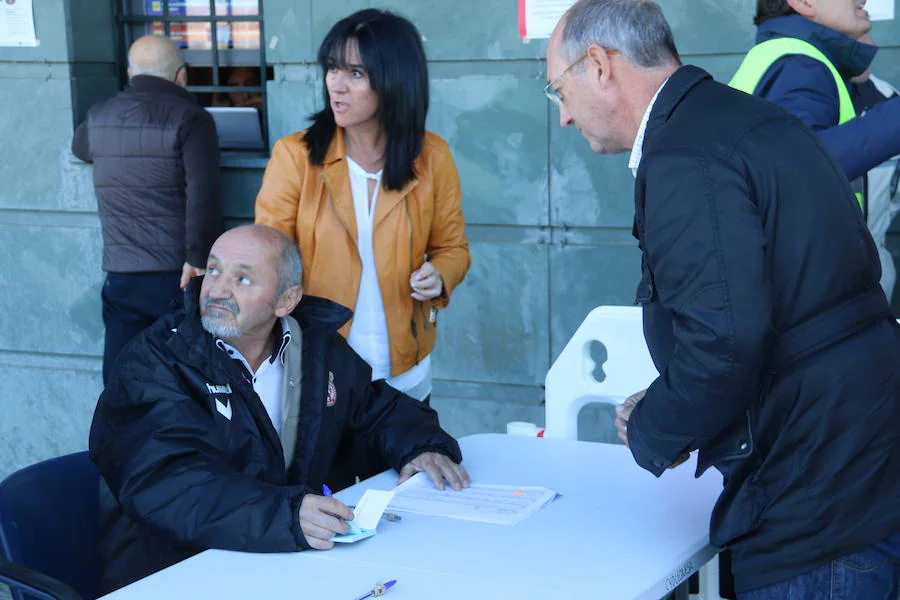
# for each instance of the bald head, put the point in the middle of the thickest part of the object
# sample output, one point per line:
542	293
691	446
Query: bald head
154	55
276	246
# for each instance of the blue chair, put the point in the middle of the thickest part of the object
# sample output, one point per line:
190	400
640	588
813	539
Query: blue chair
49	520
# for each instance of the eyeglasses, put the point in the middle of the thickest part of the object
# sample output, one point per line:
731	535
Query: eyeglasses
552	93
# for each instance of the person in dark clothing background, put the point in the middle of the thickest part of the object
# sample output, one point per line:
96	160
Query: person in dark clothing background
777	352
222	421
868	91
807	52
156	177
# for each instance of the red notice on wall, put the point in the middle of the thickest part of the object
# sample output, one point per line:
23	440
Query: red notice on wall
537	18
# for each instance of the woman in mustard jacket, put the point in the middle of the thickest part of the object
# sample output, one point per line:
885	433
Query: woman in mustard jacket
373	199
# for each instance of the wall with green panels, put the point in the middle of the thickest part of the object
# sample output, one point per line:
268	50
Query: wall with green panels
548	221
51	332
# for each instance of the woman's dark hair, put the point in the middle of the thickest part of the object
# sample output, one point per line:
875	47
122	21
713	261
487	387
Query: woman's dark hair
769	9
391	51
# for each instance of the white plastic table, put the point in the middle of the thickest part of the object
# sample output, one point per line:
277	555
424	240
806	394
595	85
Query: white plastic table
615	532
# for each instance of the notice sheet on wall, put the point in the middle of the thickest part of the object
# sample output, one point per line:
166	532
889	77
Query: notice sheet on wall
537	18
17	23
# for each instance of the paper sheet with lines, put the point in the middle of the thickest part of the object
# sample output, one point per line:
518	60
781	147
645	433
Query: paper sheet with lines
501	504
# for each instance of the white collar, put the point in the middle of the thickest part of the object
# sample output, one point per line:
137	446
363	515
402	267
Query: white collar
279	354
637	151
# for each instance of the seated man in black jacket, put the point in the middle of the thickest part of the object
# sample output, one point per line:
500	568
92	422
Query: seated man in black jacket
221	422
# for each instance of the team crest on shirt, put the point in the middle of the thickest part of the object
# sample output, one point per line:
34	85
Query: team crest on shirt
332	391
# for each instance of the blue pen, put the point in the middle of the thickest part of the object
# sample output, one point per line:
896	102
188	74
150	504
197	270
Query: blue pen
380	589
325	491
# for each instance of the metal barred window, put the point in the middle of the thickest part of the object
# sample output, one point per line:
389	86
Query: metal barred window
223	51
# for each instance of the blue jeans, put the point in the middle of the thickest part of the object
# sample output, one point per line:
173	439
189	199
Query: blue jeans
870	574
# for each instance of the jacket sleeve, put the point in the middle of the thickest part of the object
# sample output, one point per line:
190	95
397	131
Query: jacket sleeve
81	144
203	212
805	87
159	452
278	199
392	423
863	143
448	248
705	247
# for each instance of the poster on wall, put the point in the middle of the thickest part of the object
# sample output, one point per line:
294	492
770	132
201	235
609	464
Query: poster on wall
17	23
537	18
197	35
880	10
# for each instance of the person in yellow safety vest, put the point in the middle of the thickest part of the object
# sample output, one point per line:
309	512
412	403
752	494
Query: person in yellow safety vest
806	53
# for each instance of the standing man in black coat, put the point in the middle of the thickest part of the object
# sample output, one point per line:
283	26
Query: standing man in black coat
778	356
221	422
156	176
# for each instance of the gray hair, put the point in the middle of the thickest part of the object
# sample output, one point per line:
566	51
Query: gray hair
166	71
636	29
290	267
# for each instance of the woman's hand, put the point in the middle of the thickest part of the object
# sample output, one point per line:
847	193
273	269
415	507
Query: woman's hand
426	283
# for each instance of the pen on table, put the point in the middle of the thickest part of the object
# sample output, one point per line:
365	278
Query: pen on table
380	589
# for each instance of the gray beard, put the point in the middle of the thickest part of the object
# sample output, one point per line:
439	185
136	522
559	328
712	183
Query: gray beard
218	329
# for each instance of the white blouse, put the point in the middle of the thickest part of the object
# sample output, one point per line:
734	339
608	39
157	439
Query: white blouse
369	332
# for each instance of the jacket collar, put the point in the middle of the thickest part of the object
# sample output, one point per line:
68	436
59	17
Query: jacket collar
670	96
336	176
337	151
158	85
320	314
848	56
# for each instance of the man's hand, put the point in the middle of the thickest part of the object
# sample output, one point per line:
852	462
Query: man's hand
426	283
439	468
188	272
322	518
623	413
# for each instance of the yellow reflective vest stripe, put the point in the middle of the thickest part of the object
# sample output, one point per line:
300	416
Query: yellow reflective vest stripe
764	55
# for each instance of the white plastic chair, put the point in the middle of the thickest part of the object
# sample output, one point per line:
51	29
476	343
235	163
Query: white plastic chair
628	368
570	382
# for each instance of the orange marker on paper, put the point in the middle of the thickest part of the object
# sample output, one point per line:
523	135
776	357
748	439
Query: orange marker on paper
519	493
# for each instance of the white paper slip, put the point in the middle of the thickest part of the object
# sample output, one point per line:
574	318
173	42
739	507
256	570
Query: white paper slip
369	509
366	515
501	504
